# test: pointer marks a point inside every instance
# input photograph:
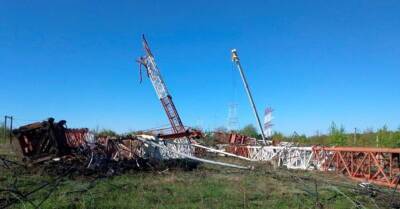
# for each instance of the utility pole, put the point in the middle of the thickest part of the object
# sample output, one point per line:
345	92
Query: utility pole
6	118
235	59
5	128
11	128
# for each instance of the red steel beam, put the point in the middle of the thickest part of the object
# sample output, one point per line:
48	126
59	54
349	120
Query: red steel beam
376	165
380	166
360	149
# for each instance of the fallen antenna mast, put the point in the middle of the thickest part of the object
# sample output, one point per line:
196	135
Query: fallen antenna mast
235	59
153	143
166	100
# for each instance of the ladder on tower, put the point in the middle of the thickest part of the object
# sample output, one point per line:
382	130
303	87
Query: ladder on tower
154	74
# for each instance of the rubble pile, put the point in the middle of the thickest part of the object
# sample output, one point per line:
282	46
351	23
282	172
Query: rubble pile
233	139
52	144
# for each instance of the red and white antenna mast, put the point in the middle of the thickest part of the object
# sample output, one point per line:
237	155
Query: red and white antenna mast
161	89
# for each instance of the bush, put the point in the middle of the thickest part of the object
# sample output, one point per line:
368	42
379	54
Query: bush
337	135
249	130
107	132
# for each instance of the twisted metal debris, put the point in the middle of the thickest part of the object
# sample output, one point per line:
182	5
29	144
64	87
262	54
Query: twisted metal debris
376	165
52	141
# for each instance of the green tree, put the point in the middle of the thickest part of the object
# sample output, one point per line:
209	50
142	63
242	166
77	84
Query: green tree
249	130
383	136
303	138
107	132
278	136
295	137
337	135
367	138
396	138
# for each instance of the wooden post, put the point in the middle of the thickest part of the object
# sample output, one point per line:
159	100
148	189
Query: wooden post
11	128
5	128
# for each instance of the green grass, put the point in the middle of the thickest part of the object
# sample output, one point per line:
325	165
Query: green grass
205	187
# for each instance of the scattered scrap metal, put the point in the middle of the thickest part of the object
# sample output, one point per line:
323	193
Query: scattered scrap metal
234	138
52	141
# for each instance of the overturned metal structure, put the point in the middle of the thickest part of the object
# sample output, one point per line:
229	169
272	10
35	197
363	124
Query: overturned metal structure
374	165
47	137
46	141
178	130
377	165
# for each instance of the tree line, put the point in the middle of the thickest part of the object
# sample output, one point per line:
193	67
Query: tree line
336	136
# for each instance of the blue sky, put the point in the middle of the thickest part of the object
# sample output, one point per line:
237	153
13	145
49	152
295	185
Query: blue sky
313	61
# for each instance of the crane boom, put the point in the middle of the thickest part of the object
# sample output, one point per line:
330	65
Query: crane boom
161	89
235	59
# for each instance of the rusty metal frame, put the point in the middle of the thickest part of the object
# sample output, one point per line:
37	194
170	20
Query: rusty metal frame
76	137
234	138
376	165
380	166
161	89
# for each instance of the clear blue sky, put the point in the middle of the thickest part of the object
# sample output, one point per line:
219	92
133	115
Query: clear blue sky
313	61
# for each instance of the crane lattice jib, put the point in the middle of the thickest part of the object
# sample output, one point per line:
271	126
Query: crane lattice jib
156	79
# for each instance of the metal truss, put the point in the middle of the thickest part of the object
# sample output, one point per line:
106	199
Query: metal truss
161	89
376	165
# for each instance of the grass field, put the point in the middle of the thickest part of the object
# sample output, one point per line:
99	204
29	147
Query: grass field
206	187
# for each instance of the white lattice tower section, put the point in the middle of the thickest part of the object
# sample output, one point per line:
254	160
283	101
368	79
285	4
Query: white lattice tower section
290	157
161	89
